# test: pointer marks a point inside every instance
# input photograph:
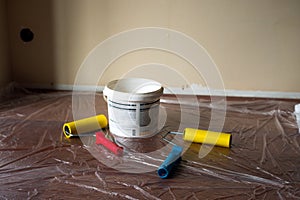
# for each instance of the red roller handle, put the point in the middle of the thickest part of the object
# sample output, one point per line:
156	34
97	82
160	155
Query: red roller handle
113	147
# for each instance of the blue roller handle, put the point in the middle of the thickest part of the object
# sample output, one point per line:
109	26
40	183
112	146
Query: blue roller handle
172	159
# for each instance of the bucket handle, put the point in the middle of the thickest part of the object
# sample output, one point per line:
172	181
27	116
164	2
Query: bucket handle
105	98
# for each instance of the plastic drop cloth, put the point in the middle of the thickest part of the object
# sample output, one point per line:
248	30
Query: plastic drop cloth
37	162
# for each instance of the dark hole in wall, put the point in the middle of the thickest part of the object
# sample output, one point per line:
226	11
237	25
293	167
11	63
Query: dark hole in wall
26	35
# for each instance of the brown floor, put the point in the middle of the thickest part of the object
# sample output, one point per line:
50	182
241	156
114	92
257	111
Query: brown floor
37	162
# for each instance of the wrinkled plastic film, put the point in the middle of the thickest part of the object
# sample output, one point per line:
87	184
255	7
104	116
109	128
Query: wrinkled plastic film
38	162
297	114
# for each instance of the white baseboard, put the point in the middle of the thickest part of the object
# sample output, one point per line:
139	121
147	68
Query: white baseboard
184	91
237	93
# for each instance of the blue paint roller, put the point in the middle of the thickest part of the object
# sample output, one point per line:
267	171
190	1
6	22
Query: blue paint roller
173	159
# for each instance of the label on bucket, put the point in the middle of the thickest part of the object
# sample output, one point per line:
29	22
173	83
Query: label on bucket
133	119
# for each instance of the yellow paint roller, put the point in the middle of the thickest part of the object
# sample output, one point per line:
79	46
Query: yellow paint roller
206	137
73	129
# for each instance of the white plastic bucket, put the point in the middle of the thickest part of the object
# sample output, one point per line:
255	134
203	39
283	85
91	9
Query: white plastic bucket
133	107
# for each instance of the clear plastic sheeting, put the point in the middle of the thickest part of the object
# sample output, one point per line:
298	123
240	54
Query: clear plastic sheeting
38	162
297	113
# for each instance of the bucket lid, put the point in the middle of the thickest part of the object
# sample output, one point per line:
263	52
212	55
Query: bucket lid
133	89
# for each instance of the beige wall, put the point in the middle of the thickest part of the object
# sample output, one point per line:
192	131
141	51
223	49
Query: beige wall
255	44
4	61
32	62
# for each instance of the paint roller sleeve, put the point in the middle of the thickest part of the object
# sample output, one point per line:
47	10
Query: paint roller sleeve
173	158
73	129
111	146
207	137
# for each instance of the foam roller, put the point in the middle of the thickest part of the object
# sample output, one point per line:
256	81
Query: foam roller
207	137
173	158
73	129
111	146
